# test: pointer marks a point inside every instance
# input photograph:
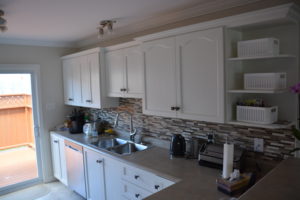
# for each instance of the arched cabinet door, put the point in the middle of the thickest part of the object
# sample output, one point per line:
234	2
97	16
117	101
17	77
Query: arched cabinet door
160	78
200	72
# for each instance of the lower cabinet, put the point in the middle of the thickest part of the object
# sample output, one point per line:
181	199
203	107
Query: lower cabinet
107	178
94	175
58	158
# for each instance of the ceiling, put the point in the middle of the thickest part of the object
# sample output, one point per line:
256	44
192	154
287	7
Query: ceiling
69	22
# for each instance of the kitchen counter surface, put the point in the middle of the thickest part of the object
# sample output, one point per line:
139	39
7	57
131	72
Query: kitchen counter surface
282	183
194	182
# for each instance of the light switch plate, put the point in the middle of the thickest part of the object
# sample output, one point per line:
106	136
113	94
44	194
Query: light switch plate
258	144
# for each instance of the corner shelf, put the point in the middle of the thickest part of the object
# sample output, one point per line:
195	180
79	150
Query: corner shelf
261	57
268	126
258	91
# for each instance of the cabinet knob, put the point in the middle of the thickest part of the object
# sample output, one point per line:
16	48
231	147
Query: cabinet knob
123	89
70	99
156	187
137	195
177	108
172	108
136	176
88	101
55	141
98	161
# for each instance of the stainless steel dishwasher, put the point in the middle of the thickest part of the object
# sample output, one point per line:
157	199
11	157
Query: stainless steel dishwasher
75	167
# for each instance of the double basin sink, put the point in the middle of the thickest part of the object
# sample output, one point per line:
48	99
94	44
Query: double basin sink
119	146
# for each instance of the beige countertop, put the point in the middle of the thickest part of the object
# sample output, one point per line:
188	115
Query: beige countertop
282	183
194	182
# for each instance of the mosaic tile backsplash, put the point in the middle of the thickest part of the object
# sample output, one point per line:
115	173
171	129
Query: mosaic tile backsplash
277	142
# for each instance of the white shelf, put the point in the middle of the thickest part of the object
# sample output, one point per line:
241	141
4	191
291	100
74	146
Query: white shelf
269	126
261	57
259	91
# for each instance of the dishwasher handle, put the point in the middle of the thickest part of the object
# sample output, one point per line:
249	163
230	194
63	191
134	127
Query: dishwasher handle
73	146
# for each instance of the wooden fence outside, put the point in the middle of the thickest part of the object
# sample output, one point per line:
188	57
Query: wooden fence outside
16	121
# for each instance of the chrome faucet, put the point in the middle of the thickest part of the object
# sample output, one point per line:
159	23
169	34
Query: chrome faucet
132	131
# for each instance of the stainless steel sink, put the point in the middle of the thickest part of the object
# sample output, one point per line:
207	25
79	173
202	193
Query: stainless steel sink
107	143
127	148
119	146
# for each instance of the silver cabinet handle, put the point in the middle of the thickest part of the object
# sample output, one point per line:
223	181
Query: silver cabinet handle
88	101
70	99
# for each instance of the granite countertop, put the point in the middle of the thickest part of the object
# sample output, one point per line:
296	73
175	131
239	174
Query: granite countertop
194	182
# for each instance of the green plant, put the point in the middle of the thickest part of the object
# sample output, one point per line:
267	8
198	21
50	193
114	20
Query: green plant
296	134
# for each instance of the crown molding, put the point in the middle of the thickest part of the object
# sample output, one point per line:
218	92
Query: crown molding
26	42
168	18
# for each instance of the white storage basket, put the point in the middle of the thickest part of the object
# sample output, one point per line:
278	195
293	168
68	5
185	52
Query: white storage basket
257	115
265	81
259	47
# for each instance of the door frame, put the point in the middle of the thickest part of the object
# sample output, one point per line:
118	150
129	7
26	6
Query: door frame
34	71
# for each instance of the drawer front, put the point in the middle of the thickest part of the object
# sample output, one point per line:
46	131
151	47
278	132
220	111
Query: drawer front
144	179
132	192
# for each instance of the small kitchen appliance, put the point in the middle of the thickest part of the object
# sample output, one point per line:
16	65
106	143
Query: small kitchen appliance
177	146
211	155
77	122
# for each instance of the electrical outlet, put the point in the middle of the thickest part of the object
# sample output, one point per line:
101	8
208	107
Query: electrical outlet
258	144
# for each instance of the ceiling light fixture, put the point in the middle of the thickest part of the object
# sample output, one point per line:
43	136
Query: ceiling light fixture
3	26
105	24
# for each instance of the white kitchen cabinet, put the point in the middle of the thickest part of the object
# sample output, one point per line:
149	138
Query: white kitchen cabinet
200	67
160	77
84	80
184	76
124	71
58	158
115	67
94	174
90	74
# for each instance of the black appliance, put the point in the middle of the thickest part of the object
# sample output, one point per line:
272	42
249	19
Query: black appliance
77	122
177	146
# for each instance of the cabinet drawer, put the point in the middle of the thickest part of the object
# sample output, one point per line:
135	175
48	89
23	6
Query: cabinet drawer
132	192
144	179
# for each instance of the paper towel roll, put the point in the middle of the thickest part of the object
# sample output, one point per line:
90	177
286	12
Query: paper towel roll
227	160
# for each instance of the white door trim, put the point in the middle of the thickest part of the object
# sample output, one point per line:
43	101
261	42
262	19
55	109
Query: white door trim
34	70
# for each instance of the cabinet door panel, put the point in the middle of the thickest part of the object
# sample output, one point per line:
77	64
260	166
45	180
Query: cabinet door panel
160	89
68	81
201	83
63	165
55	157
134	72
115	67
94	175
93	62
85	69
76	65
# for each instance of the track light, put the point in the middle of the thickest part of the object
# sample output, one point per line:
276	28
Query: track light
105	24
3	26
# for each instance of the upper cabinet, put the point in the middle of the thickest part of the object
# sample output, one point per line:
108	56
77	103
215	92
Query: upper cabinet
84	83
124	68
184	76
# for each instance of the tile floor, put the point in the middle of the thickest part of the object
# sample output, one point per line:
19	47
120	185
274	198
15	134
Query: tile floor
48	191
17	165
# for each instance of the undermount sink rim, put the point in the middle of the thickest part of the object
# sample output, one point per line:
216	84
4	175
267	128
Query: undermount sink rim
121	143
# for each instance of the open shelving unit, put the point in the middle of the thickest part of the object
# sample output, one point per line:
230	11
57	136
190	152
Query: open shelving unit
287	31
